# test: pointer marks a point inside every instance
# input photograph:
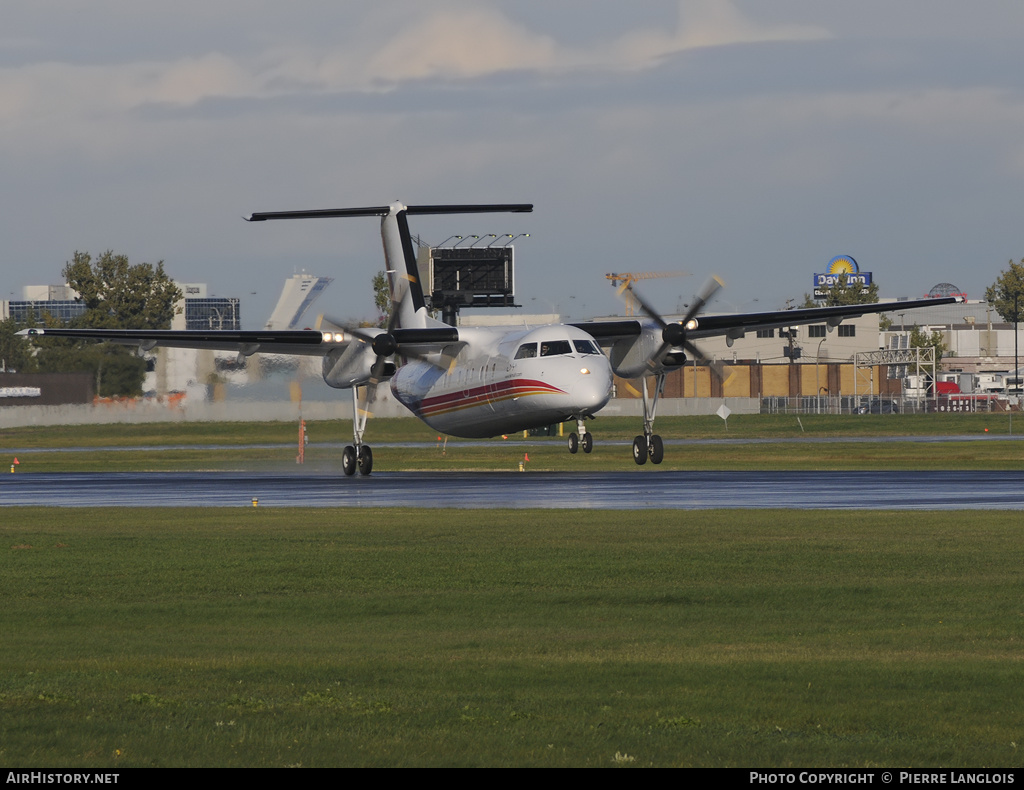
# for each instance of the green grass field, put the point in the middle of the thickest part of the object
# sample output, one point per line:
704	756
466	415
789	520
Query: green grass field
171	637
181	446
754	426
399	637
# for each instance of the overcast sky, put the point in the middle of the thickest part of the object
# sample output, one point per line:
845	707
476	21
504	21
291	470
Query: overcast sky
748	139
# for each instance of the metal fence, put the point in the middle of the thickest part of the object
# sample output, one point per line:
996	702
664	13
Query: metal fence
884	404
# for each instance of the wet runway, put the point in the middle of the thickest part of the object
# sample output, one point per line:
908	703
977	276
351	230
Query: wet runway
598	490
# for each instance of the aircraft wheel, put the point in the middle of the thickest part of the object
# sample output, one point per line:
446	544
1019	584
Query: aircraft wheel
365	460
640	450
574	443
348	461
657	449
587	442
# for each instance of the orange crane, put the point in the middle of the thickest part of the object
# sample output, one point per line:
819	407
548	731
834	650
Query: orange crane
628	278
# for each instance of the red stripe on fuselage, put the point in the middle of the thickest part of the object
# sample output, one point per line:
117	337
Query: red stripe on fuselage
479	396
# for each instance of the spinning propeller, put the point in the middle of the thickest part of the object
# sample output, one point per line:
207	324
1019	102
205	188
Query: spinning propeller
387	344
383	345
673	334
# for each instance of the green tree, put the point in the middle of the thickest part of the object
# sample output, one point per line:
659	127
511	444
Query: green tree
116	369
120	295
117	295
1008	286
15	354
382	298
919	339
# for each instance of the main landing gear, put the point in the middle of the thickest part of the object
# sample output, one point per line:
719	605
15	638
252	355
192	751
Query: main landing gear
650	445
352	459
583	439
357	456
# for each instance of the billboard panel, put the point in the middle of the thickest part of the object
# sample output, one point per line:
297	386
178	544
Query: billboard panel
469	277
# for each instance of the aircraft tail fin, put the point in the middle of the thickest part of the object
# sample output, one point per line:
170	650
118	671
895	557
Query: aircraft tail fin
407	298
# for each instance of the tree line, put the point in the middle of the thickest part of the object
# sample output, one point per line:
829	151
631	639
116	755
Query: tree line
116	294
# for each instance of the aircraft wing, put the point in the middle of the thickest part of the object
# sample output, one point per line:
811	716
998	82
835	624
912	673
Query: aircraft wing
739	323
303	341
307	342
653	345
717	325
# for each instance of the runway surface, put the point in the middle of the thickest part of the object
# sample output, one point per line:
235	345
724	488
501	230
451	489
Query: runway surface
634	490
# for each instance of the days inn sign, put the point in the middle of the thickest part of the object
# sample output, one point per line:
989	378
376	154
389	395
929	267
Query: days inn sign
840	265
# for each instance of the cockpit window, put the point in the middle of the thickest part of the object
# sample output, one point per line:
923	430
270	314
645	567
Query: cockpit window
552	348
527	351
586	347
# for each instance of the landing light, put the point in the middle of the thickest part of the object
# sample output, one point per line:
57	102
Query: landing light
334	337
690	325
585	371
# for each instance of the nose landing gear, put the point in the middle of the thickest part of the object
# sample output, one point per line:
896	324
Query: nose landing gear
582	439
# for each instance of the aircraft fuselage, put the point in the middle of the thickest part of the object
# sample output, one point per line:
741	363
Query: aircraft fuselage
507	379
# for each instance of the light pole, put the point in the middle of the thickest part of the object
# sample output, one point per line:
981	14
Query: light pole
817	383
1017	365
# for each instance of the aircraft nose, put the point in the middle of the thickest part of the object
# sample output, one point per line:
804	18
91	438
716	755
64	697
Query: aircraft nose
593	386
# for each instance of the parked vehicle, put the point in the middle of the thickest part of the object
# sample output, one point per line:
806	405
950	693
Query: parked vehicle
878	406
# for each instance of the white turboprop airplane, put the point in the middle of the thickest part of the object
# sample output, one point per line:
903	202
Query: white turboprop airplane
477	382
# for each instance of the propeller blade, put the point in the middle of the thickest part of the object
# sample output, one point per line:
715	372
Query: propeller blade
649	311
408	352
711	287
364	406
673	334
385	345
695	353
654	360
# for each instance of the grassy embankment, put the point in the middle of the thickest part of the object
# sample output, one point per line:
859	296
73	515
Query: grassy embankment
137	637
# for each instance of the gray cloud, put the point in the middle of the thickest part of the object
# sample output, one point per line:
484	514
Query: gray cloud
756	142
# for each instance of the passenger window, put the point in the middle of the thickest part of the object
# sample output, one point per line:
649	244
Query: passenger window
586	347
527	351
553	348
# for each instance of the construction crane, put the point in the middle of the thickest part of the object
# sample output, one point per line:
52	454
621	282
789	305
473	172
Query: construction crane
622	281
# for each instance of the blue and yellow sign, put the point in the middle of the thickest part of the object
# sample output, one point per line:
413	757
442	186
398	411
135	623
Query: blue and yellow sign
837	267
842	264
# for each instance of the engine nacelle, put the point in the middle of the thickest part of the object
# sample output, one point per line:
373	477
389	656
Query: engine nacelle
630	357
349	367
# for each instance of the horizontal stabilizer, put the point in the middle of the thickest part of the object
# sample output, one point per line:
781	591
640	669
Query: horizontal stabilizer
512	208
382	211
